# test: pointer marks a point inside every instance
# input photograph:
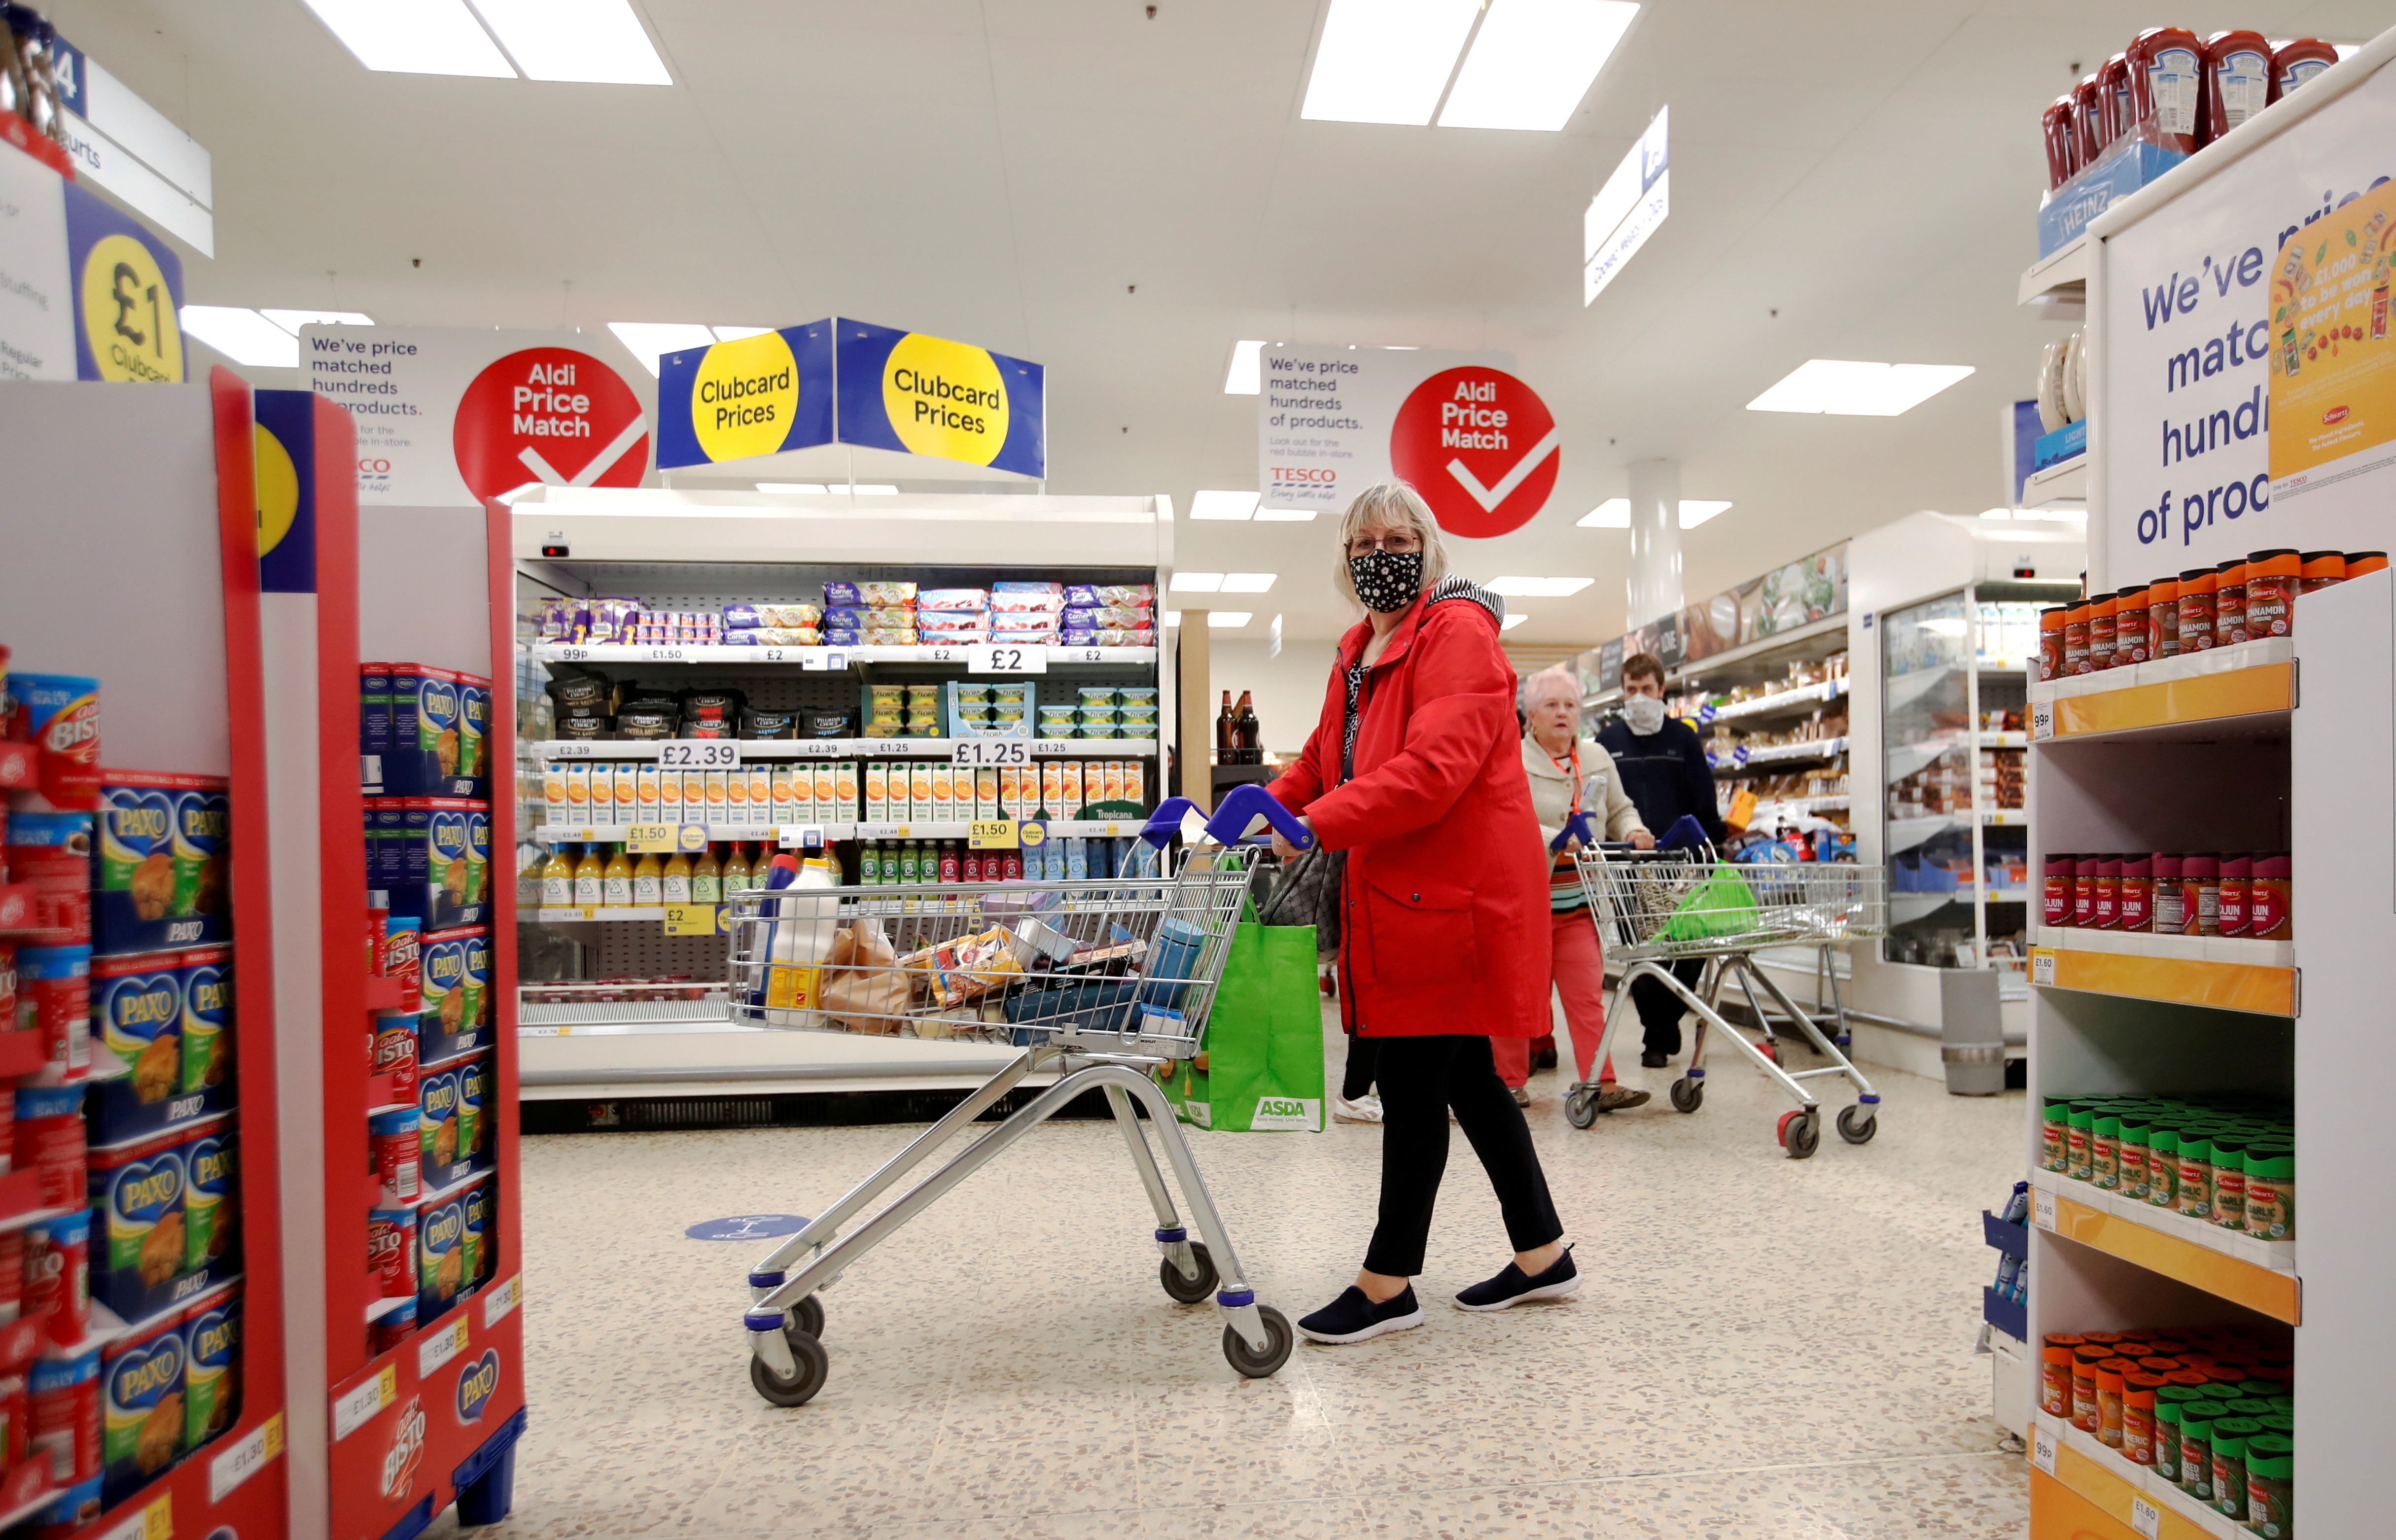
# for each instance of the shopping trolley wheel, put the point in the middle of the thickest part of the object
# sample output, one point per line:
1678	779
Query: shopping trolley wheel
1769	1049
1188	1290
1247	1360
1687	1094
1857	1129
808	1316
1581	1107
800	1388
1798	1134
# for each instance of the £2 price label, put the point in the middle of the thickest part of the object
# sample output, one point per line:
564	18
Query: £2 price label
691	919
1007	658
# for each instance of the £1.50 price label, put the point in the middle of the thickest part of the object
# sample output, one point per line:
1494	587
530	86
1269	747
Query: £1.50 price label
992	834
651	839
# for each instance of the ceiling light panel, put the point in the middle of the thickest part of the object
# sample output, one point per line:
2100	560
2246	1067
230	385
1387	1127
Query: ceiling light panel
871	490
292	320
647	340
1532	62
1248	582
1512	620
1386	60
1844	388
422	37
1228	620
1223	505
1694	513
1613	514
599	42
1197	582
243	336
1246	375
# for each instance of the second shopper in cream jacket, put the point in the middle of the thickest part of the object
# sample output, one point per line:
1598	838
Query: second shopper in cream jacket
1611	813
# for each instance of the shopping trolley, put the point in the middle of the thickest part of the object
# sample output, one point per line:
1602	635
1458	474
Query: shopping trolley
1098	980
1654	907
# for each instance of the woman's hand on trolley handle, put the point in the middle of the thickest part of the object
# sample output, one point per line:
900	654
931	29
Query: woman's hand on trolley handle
1286	850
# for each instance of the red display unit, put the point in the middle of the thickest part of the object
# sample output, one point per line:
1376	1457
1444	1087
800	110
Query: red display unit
416	1344
143	497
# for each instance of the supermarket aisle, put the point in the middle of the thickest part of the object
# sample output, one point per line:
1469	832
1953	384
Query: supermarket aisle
1765	1349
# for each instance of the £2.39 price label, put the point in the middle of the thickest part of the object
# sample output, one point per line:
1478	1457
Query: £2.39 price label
702	754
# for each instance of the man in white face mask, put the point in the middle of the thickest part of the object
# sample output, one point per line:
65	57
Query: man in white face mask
1663	766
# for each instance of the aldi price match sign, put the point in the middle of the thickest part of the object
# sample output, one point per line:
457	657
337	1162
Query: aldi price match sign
842	381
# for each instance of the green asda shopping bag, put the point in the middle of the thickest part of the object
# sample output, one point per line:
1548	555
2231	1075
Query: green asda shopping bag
1720	906
1263	1057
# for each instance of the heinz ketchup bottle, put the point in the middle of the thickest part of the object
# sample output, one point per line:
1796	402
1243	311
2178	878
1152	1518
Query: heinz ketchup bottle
2237	80
2056	126
2167	87
2294	63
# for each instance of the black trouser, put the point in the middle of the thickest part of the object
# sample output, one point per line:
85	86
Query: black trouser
1659	1008
1421	1078
1363	1066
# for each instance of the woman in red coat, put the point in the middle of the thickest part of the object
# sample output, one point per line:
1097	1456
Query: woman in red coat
1416	770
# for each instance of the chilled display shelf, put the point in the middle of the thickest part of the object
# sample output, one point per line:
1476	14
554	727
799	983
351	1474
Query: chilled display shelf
2255	680
2260	1275
1787	701
2175	977
826	658
648	750
553	1018
2119	1487
774	833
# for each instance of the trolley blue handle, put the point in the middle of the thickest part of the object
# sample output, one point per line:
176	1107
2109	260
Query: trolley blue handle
1576	828
1685	833
1243	803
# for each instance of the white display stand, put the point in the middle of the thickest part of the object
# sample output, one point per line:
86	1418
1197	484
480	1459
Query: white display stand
2267	745
702	541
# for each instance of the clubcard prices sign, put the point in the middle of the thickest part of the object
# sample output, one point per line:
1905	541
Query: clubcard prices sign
448	418
1476	442
2244	408
86	291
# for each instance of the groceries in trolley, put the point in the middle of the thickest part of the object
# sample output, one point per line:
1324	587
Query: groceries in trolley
2210	1410
2166	893
2225	1161
2251	598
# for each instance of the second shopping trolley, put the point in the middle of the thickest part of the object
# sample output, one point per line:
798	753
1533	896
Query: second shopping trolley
1096	981
1660	907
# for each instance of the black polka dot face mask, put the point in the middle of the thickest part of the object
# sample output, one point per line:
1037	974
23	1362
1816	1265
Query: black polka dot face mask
1387	580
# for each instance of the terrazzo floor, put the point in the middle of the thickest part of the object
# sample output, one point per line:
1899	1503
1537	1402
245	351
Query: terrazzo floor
1763	1347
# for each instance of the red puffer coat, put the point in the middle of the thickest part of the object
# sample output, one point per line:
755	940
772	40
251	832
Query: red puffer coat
1446	926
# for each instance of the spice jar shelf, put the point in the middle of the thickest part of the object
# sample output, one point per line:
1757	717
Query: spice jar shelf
2260	1275
2264	989
2116	1485
2205	690
2188	948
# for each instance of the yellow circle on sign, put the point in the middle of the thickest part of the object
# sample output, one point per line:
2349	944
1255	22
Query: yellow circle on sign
693	837
945	398
1033	835
129	313
745	397
278	489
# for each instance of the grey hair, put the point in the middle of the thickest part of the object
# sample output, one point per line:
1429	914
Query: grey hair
1389	505
1539	686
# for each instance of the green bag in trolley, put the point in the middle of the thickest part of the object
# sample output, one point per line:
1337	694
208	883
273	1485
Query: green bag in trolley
1261	1068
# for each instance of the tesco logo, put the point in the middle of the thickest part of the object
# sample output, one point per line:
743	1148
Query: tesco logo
374	467
1283	473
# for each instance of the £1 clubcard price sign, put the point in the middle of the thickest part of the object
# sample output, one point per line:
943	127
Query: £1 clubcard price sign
448	418
1476	442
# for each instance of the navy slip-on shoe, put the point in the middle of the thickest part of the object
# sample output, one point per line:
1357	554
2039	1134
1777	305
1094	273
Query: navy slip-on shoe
1354	1318
1510	1287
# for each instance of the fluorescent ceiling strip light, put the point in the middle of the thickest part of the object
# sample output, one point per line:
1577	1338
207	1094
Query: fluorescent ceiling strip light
734	333
1538	588
1228	620
1248	582
1386	60
1694	514
1284	515
1844	388
292	320
647	340
599	42
1223	505
243	336
425	37
1512	620
1246	375
1532	62
1197	582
